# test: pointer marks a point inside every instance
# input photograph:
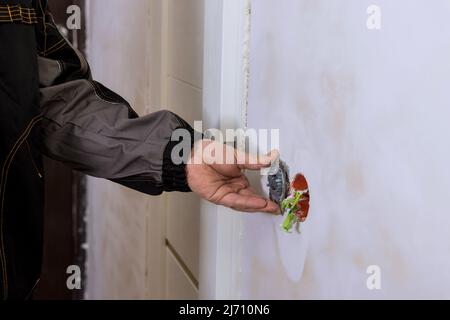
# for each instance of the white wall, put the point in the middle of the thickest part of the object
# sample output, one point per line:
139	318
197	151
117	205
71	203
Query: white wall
150	52
118	52
364	114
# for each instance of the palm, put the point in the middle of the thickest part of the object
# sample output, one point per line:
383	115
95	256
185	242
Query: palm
227	185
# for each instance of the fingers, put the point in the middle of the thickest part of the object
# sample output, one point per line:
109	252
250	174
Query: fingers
246	161
243	203
255	162
215	153
228	189
271	206
231	187
230	161
249	203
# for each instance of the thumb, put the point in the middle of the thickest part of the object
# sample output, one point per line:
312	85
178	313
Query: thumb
255	162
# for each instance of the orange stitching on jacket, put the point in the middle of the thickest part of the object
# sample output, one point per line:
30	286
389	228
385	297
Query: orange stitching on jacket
53	46
17	13
56	49
45	26
5	177
63	38
32	160
15	16
3	181
5	6
19	19
9	12
98	96
101	92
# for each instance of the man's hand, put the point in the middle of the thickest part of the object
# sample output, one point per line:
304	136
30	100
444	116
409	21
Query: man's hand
224	183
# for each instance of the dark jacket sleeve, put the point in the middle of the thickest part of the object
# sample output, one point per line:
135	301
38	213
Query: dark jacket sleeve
94	130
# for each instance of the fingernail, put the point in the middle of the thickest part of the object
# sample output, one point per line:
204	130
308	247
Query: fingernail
276	209
273	154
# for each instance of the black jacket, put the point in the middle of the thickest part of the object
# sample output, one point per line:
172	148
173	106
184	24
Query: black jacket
50	104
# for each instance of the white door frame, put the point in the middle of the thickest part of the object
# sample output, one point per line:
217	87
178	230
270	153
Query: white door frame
225	92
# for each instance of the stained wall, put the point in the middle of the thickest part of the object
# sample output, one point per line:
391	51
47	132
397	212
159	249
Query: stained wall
364	115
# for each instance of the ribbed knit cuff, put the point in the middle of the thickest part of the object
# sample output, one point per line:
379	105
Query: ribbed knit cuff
174	175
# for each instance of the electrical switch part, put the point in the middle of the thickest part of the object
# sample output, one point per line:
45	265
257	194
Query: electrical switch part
279	184
293	198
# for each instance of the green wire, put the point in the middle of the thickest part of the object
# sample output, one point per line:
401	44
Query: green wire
291	205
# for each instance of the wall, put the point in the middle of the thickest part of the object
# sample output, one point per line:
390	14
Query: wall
364	114
183	79
150	52
118	217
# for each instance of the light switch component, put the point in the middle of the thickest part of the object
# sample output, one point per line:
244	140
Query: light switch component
293	198
279	184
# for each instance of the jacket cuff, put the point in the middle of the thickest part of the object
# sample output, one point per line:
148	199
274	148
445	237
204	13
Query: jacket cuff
174	175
